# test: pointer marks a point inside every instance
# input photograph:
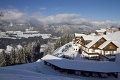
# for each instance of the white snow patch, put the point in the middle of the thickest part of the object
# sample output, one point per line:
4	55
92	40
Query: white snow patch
9	48
19	46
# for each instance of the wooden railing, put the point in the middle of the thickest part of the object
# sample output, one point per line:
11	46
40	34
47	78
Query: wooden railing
96	53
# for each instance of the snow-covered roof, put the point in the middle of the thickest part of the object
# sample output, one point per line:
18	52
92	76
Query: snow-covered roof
88	37
114	36
107	37
50	57
78	34
93	34
95	39
101	30
94	66
105	44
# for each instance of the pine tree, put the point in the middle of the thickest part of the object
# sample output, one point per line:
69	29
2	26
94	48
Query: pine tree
63	40
6	60
13	57
2	58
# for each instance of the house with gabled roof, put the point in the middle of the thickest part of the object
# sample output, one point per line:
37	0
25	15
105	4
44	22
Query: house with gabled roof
87	39
77	38
92	49
100	46
80	40
96	46
108	48
101	31
77	41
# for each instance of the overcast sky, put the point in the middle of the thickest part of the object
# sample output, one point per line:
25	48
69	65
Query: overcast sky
98	10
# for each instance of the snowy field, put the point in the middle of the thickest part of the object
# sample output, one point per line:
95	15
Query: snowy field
39	71
44	36
20	36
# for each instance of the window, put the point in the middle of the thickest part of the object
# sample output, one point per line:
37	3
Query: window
106	51
93	50
111	47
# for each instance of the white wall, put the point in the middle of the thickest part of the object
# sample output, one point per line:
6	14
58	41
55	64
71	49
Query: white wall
75	48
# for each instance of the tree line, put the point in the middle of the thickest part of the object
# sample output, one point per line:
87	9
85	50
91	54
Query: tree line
63	40
27	54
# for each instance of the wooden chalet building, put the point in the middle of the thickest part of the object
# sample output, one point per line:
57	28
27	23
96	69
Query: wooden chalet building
81	40
108	48
96	46
77	38
92	48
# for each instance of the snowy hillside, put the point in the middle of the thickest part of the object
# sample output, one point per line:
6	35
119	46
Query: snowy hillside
33	71
39	71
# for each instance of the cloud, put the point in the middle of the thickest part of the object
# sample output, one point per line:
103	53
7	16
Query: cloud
14	15
58	19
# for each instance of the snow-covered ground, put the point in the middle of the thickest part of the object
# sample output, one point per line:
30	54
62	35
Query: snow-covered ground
32	71
39	71
20	35
67	49
44	36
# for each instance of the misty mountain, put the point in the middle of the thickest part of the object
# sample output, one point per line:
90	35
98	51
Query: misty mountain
55	29
56	24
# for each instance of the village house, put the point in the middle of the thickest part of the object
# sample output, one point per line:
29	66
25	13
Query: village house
108	48
104	31
77	38
80	40
111	30
101	31
92	49
98	47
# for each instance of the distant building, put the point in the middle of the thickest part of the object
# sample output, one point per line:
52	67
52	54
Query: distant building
100	32
104	31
